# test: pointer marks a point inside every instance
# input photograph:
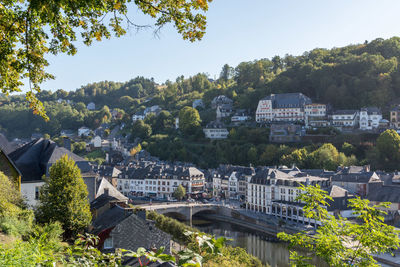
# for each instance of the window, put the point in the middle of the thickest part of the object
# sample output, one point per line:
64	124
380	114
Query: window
37	192
108	243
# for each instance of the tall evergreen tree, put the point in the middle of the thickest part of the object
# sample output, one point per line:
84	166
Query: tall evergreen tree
64	198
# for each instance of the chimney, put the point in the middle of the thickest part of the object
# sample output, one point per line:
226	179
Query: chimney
67	143
141	213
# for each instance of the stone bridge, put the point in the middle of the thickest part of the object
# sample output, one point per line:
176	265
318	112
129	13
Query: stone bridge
183	211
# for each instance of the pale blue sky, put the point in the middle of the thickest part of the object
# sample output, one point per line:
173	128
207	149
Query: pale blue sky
238	30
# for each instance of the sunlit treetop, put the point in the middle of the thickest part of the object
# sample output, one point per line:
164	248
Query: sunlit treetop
29	30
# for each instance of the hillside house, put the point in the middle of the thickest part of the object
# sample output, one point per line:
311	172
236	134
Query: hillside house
370	118
215	130
282	107
316	115
91	106
84	131
221	100
345	118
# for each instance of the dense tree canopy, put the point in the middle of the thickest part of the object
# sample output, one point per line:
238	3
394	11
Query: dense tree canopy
29	30
64	198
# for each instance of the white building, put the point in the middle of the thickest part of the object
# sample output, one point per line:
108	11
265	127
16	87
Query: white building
370	118
282	107
345	118
91	106
139	116
198	103
221	100
224	110
160	181
274	193
215	130
152	110
315	115
177	123
83	131
240	116
96	141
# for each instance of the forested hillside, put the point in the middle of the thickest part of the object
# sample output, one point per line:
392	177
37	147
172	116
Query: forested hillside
350	77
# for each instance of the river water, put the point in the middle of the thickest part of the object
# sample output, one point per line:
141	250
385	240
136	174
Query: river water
276	254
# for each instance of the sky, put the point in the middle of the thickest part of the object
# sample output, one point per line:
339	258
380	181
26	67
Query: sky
237	31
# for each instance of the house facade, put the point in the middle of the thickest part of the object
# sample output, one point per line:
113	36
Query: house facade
215	130
34	160
345	118
395	117
221	100
160	181
224	110
316	115
370	118
282	107
83	131
91	106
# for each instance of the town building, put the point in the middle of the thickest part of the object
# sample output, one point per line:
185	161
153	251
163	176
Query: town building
282	107
221	100
274	192
395	117
34	159
84	131
224	110
215	130
91	106
358	180
343	119
138	116
316	115
157	180
284	133
240	116
67	133
198	103
155	110
370	118
96	141
117	226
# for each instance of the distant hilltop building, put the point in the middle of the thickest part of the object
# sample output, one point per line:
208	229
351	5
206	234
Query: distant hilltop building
395	117
316	115
282	107
370	118
345	118
198	103
91	106
216	130
221	100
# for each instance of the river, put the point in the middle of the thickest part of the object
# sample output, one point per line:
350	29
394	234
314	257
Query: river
273	253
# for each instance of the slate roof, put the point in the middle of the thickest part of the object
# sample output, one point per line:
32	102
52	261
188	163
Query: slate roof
215	125
365	177
34	158
345	112
102	200
5	145
109	219
372	110
390	193
292	100
265	175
